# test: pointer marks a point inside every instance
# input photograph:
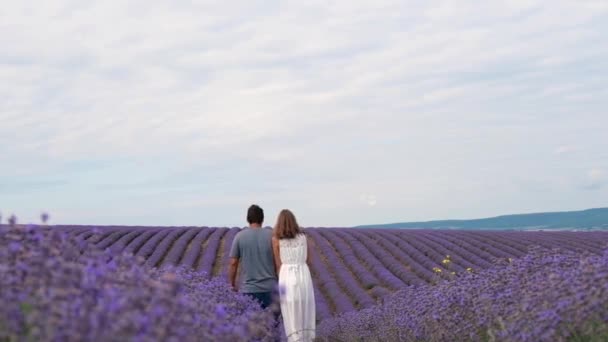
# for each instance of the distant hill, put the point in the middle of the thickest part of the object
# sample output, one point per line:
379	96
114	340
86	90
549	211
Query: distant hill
590	219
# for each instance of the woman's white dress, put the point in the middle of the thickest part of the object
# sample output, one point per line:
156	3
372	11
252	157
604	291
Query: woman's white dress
296	291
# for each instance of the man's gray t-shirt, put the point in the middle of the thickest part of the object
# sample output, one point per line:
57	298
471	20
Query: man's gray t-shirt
253	246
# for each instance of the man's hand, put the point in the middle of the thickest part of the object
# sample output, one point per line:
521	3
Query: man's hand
234	265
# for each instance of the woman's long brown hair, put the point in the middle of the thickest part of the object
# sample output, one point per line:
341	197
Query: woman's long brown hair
287	226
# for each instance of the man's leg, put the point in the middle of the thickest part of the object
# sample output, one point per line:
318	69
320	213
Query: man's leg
264	298
269	300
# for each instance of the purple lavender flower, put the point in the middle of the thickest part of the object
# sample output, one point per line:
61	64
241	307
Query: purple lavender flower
52	292
12	220
44	217
548	295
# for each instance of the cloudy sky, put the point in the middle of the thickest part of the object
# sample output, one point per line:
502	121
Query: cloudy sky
348	112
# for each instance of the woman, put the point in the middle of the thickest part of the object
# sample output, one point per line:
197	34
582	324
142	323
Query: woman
292	257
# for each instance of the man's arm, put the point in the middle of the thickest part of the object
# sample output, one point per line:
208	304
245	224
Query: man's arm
235	256
234	266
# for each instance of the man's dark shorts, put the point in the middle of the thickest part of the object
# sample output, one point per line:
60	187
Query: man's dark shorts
264	298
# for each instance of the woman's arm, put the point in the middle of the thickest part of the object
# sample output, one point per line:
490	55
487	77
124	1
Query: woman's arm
310	244
277	254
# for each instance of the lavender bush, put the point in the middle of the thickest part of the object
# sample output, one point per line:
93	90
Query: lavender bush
52	292
547	295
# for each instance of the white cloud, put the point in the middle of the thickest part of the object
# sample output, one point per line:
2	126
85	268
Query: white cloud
370	200
564	149
324	99
596	179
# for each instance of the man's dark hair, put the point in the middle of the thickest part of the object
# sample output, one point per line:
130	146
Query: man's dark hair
255	214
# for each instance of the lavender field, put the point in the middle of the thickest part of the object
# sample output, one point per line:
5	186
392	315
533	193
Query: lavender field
353	268
370	284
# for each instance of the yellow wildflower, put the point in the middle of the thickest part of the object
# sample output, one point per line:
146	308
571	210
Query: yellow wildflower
469	269
437	269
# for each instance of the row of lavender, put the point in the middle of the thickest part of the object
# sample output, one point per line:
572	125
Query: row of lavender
202	249
352	268
57	288
547	295
382	261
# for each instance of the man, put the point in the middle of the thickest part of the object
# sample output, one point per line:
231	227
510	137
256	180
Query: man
252	250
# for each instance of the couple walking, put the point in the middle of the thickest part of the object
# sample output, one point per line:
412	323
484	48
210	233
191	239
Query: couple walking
262	253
